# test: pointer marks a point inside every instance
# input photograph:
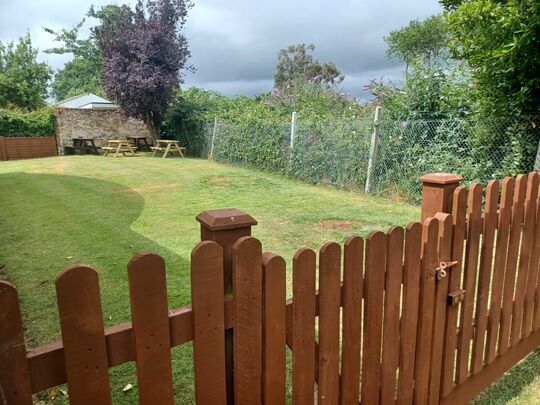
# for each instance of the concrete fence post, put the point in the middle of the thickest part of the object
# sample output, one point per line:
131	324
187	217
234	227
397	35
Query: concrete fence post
214	130
225	227
437	191
373	148
537	161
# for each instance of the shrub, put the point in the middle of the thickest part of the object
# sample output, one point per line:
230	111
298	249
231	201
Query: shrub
35	123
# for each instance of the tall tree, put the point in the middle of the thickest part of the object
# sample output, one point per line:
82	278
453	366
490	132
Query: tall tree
23	80
143	57
296	63
82	74
499	40
426	40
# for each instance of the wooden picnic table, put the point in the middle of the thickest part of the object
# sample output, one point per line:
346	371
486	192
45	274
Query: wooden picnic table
117	146
139	141
84	145
168	146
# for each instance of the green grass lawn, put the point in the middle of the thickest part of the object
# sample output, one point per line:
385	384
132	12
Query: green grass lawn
101	211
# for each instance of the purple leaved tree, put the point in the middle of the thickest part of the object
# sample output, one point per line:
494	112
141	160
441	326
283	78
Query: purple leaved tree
144	52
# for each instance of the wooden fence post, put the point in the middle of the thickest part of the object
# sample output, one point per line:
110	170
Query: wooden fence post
225	227
14	372
437	191
3	150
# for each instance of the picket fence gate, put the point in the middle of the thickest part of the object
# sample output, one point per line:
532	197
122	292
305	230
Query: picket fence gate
427	314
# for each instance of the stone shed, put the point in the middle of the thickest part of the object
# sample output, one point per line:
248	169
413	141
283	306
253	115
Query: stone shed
100	124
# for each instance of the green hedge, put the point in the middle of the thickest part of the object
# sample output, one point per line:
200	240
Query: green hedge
36	123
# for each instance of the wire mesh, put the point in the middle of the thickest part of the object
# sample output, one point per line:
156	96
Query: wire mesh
337	152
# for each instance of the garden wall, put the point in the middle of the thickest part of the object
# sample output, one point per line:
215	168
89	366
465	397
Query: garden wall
100	124
12	148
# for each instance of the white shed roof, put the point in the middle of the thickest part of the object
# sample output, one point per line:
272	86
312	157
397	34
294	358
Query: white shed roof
84	101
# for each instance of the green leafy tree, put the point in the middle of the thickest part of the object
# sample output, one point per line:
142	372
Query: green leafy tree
23	80
499	40
426	40
82	74
297	64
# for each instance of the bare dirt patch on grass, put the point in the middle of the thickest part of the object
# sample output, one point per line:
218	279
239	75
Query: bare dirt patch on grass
343	225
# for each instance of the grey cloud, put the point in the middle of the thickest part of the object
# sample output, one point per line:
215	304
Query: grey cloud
234	43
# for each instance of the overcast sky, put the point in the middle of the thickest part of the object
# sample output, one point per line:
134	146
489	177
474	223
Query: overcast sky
234	43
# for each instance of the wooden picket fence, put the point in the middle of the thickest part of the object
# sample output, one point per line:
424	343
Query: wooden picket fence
431	313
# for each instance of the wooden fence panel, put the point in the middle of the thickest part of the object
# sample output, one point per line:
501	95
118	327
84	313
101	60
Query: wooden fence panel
150	318
353	284
392	302
373	316
12	148
247	289
529	215
511	262
303	327
81	320
14	373
532	278
499	268
469	283
425	316
409	319
329	323
208	323
274	330
459	217
486	258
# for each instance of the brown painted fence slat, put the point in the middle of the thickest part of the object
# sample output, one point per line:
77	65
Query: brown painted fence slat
532	278
536	268
390	350
81	320
329	316
425	317
274	329
459	217
511	262
150	318
373	313
353	264
208	323
486	259
525	254
409	319
247	288
469	282
303	327
14	373
441	293
499	268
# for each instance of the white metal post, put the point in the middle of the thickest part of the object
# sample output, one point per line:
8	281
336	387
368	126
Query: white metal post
373	148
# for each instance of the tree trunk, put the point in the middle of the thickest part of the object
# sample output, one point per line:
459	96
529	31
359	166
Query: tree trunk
152	127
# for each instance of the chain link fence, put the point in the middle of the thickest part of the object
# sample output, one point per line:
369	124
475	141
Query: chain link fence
338	152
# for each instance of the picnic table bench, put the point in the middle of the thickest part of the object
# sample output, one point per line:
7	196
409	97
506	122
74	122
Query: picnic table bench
117	146
139	141
84	145
167	146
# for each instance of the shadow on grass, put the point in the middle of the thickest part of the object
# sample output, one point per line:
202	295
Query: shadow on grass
50	221
512	383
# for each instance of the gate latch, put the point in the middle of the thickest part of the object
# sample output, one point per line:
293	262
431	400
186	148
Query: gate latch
440	269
